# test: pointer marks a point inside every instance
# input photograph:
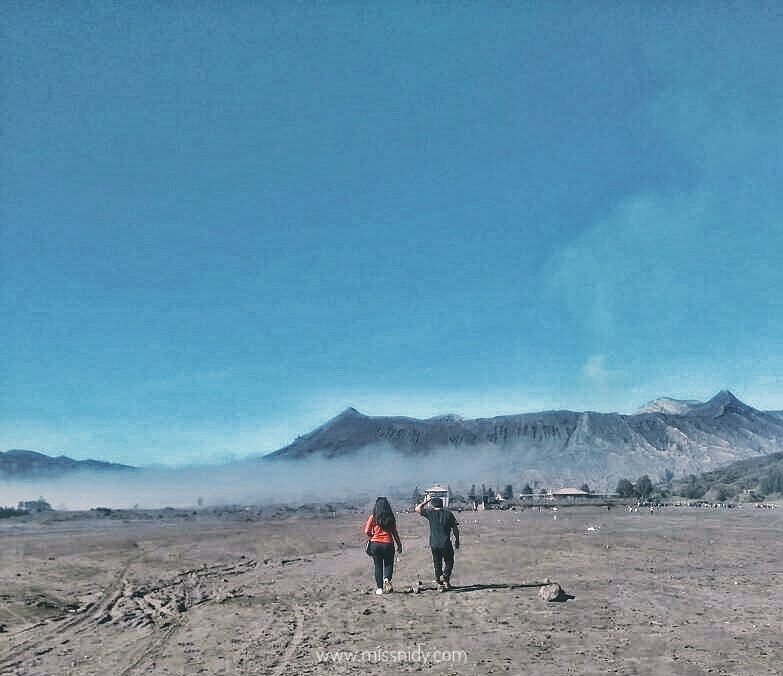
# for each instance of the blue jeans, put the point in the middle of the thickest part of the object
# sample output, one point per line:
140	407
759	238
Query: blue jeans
383	561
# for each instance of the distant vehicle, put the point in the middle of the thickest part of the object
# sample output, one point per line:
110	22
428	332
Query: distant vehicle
438	491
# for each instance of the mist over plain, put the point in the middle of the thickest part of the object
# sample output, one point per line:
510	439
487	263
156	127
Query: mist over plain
357	478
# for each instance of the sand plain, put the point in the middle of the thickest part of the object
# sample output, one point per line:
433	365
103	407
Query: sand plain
270	591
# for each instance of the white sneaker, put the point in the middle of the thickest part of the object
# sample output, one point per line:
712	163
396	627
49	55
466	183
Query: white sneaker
387	586
379	591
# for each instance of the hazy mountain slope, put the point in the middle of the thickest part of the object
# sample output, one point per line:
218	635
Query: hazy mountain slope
553	447
566	446
20	464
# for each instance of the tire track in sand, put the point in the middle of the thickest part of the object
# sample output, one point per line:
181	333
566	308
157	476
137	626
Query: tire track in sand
296	639
69	627
179	596
151	650
258	633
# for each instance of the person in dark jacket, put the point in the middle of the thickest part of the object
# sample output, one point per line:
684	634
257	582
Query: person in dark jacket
442	525
381	530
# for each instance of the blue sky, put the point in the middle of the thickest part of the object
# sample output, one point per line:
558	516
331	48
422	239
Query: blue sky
222	223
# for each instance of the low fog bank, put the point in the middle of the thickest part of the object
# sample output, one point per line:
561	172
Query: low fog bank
357	478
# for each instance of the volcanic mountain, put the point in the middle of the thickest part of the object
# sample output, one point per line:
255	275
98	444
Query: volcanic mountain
566	447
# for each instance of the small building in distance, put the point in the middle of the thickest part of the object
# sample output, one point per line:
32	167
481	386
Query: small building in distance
438	491
568	494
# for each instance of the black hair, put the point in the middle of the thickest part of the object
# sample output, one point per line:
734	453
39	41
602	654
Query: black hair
436	502
384	516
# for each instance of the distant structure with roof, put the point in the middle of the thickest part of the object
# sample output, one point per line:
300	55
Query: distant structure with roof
569	494
438	491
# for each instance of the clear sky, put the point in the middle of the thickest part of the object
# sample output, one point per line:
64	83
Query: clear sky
221	223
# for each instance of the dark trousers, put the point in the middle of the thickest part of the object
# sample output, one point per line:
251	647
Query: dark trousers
443	561
383	561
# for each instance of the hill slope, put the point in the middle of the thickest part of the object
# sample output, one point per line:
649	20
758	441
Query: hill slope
565	447
750	478
19	464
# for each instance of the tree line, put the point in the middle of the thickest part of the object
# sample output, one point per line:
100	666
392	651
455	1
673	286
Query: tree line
723	485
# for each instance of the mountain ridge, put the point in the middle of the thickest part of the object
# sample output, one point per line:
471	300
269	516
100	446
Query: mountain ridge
555	447
564	446
19	463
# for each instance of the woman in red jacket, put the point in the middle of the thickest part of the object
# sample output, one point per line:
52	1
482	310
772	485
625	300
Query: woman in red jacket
381	530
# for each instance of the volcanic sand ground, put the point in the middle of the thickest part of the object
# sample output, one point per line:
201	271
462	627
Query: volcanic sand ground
684	591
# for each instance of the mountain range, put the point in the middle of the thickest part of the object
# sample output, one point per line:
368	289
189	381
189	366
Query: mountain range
564	447
666	437
31	464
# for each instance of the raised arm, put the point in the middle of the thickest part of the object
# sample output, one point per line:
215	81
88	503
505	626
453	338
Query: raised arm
418	507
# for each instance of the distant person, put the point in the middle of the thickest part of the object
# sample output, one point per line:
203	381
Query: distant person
381	530
442	525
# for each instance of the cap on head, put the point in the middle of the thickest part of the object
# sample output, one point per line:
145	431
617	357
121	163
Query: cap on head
436	502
